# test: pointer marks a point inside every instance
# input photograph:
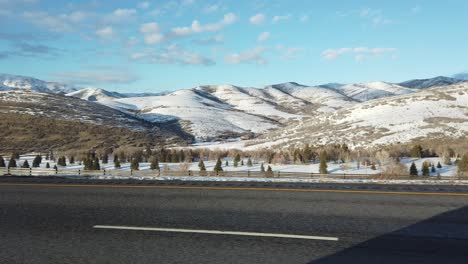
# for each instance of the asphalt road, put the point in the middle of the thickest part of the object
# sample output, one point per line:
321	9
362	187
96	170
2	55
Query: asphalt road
54	224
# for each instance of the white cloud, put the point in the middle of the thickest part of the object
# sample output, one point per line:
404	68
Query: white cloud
277	19
106	32
172	54
59	23
120	15
218	39
149	27
143	5
291	53
263	36
360	53
154	38
254	55
375	16
257	19
197	27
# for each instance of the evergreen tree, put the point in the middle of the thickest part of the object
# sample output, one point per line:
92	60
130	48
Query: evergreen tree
116	163
262	168
413	170
37	161
96	165
105	158
425	169
226	163
249	162
372	167
439	166
47	165
154	163
2	162
433	169
25	165
116	158
218	166
242	162
47	156
15	155
135	165
51	156
72	160
269	172
55	167
62	161
323	169
307	154
12	163
201	165
236	160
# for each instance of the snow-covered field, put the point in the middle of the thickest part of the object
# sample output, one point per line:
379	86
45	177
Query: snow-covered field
333	168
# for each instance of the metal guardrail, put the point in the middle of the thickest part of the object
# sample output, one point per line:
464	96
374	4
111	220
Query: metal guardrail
244	174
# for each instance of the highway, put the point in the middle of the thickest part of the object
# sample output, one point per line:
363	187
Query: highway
125	223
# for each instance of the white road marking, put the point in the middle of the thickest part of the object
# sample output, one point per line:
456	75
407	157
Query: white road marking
215	232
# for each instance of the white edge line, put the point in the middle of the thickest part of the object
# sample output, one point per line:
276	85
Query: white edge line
215	232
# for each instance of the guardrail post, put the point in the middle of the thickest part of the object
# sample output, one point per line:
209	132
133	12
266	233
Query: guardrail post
30	172
104	171
189	173
79	172
279	174
131	172
248	173
56	171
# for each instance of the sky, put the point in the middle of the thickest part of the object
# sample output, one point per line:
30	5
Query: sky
151	46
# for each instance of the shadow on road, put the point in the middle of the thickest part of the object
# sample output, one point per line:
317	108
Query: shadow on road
439	239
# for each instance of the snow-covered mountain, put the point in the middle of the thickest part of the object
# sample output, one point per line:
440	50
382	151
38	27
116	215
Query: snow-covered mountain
428	83
10	82
95	94
440	112
326	113
363	92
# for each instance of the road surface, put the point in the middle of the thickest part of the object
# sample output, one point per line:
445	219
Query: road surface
98	223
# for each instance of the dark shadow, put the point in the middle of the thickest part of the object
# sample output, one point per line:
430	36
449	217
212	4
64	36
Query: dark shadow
439	239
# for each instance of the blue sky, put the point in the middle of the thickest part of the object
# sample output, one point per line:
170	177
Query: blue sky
167	45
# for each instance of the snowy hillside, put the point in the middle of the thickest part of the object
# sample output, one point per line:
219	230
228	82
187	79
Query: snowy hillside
428	83
9	82
95	94
363	92
205	116
432	113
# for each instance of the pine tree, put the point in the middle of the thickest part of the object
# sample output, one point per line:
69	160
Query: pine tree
236	160
201	165
413	170
12	163
269	172
135	165
439	166
15	155
52	156
55	167
47	156
105	158
62	161
372	167
2	162
323	163
425	169
433	169
116	163
218	166
96	165
242	162
307	154
47	165
249	162
154	163
37	161
25	165
72	160
226	164
262	168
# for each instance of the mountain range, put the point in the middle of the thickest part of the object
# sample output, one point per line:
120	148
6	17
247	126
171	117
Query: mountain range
288	113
